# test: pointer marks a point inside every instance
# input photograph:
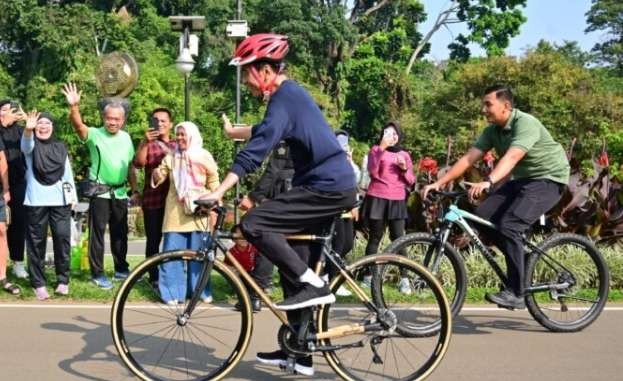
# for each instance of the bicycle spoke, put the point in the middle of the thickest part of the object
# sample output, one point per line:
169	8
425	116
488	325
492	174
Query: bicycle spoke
204	332
593	301
213	326
150	335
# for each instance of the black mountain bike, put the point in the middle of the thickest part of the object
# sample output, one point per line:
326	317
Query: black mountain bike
567	278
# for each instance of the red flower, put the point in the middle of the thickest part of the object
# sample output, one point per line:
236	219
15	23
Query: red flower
489	159
603	159
429	165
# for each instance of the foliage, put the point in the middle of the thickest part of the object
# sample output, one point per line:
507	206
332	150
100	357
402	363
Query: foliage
606	15
351	56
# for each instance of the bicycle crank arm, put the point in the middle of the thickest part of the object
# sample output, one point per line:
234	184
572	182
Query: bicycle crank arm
347	330
329	348
549	287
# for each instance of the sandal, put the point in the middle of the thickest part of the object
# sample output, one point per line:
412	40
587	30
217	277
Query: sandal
9	287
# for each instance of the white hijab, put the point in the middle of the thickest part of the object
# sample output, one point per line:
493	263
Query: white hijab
186	163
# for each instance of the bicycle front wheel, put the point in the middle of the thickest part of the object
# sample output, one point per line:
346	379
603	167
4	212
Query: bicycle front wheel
159	341
388	352
567	283
448	268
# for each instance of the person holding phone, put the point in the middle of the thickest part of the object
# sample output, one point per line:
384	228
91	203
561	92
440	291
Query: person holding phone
391	175
11	135
149	154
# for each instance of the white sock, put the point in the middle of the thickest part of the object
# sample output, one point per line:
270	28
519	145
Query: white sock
311	278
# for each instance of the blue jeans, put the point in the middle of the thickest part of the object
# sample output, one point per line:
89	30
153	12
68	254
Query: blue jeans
175	280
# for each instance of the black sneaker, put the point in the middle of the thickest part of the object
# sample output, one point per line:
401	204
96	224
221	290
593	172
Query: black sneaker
256	305
303	365
308	296
506	299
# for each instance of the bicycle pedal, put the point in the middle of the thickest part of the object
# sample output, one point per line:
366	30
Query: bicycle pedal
290	367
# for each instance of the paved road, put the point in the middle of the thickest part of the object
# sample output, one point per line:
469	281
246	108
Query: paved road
72	342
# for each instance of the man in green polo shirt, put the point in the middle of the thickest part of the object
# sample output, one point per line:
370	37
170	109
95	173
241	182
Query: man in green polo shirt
111	152
539	173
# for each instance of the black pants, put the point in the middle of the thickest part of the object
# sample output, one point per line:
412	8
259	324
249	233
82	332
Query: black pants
296	211
513	208
59	219
343	241
299	210
16	232
377	229
262	272
153	219
114	213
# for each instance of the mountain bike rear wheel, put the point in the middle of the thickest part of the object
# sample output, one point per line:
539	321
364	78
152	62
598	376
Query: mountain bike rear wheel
570	282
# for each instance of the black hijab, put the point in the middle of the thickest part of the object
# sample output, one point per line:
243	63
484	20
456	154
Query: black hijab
396	147
48	157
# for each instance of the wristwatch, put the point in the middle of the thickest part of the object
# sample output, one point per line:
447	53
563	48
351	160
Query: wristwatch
488	179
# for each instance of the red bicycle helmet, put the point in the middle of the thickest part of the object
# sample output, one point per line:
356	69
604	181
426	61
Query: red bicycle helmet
262	46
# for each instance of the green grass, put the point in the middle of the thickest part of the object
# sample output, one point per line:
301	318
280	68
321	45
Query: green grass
481	280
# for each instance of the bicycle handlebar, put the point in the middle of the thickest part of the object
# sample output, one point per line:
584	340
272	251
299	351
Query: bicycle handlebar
452	195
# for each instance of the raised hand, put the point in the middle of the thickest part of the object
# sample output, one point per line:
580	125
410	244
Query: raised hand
71	93
227	126
14	115
31	120
19	114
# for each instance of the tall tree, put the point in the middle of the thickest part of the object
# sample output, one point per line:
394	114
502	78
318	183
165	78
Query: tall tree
491	25
607	15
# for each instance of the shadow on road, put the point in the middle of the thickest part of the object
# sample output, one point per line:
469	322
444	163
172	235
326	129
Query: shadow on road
98	349
465	326
99	353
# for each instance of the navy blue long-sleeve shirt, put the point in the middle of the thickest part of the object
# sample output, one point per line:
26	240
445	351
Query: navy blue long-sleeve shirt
293	116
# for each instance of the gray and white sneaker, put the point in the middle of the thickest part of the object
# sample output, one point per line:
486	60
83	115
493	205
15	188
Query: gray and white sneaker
367	281
307	296
303	365
343	291
19	270
405	286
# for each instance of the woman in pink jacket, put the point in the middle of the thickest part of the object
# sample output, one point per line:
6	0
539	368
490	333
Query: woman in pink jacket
391	175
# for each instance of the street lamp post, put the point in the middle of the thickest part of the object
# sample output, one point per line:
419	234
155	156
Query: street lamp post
189	46
237	29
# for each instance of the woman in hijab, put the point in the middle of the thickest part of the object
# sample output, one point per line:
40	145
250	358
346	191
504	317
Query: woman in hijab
391	174
192	171
50	193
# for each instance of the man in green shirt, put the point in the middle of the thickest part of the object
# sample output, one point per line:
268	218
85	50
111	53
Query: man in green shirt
539	173
111	153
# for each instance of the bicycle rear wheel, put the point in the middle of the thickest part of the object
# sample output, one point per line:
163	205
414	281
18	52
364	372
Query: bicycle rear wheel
449	270
156	341
569	283
389	353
